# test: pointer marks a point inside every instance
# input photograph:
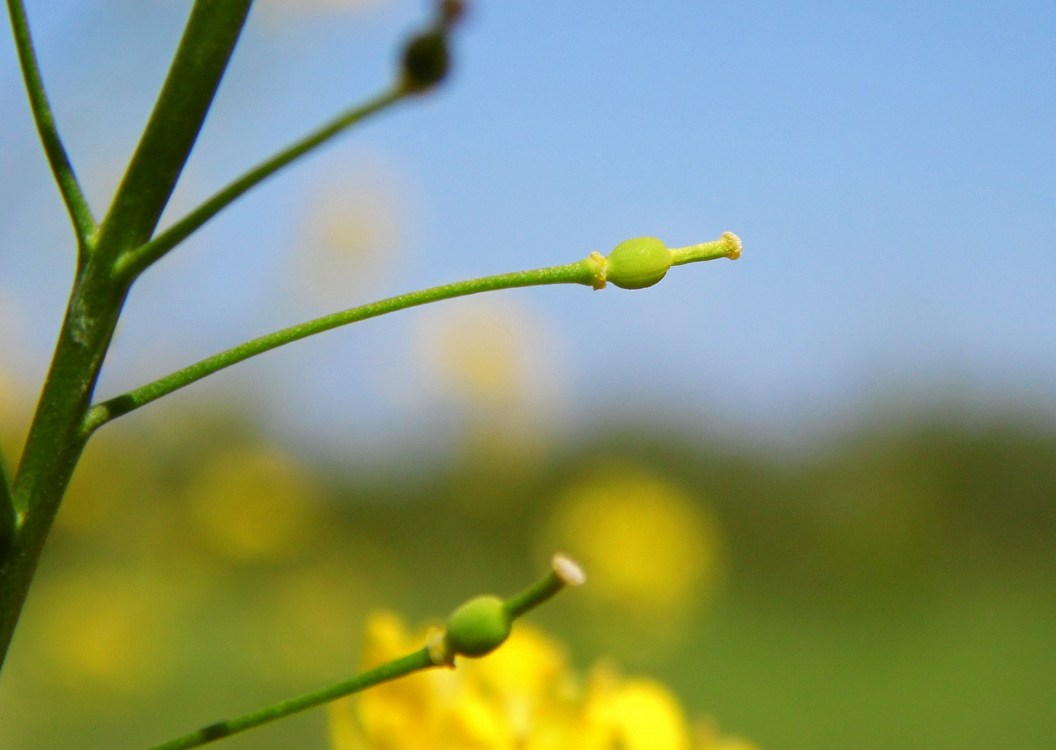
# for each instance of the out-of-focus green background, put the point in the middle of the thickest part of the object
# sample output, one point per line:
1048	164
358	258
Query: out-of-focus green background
892	588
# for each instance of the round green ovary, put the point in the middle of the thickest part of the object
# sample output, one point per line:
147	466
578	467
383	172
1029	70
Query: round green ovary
479	626
638	263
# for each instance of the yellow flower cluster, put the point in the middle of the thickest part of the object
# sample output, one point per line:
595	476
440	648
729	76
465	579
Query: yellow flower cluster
523	696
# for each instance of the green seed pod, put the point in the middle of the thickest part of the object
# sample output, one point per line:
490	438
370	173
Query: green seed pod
638	263
425	61
479	626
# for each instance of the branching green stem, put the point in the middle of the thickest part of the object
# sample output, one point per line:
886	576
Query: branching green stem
581	272
72	196
414	662
133	263
56	438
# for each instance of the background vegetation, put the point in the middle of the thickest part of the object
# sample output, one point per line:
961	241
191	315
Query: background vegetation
894	587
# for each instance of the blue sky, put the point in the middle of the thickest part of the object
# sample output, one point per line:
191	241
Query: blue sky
891	169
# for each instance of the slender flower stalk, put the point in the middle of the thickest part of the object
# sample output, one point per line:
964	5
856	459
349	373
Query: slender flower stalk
425	63
135	261
439	651
72	196
414	662
593	271
580	273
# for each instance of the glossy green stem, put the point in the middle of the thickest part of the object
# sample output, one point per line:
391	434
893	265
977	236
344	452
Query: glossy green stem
415	662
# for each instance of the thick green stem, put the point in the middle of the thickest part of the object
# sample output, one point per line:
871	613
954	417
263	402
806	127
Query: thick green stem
76	204
414	662
581	272
135	261
200	61
55	439
7	509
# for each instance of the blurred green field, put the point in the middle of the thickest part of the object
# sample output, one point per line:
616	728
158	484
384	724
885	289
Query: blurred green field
893	588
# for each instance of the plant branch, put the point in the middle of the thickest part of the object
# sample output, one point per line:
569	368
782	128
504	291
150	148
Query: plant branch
72	196
473	621
134	262
414	662
201	58
56	437
581	272
594	271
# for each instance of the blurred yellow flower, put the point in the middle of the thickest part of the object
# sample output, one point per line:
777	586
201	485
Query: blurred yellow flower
496	363
631	714
521	697
650	547
310	604
98	495
351	235
107	628
254	505
490	354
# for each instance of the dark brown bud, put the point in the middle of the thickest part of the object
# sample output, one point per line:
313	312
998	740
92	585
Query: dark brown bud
425	61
